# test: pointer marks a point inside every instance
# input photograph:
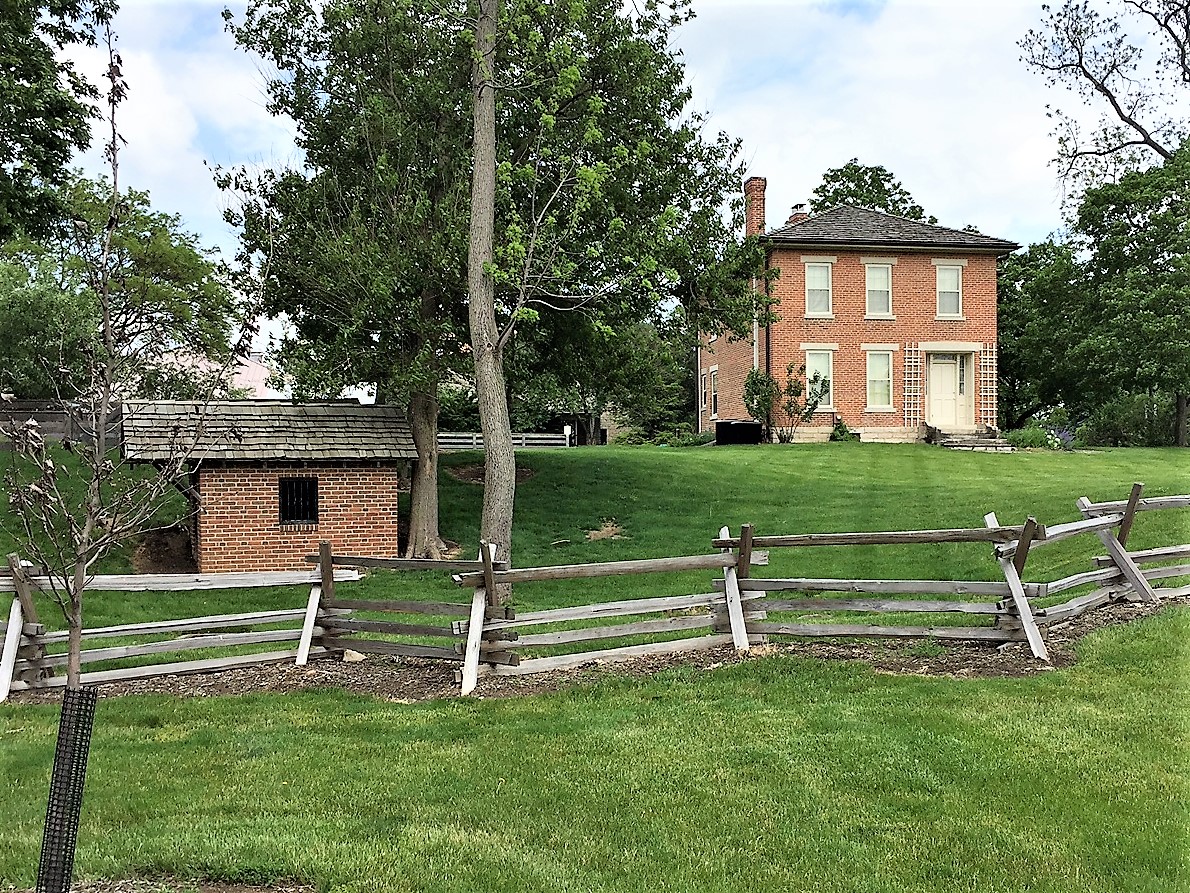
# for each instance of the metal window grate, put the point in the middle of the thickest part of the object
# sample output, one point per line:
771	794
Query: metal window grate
298	499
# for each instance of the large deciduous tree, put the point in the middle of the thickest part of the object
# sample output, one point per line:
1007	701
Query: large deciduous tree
868	187
1130	62
1108	314
46	106
366	242
606	198
1138	233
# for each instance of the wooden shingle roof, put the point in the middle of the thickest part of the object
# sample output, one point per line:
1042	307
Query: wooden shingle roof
850	225
248	431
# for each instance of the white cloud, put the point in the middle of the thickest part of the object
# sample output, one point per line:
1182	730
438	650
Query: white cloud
932	90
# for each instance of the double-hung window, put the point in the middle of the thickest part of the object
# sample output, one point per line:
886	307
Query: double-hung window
819	375
702	390
818	289
950	291
715	392
879	288
880	366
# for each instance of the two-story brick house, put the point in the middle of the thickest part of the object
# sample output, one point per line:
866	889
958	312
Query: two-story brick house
897	316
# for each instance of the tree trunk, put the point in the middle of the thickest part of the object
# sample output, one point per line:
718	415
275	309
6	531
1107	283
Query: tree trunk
74	625
424	541
592	429
500	463
1181	436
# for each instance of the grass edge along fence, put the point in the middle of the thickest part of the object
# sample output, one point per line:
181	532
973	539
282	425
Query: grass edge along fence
487	634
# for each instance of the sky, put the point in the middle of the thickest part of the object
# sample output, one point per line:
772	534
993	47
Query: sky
933	90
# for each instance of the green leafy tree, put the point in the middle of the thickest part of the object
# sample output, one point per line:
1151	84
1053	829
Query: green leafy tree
607	202
166	297
1138	234
45	104
1040	309
799	400
868	187
761	393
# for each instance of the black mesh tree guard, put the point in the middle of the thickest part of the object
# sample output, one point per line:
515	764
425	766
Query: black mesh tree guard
56	868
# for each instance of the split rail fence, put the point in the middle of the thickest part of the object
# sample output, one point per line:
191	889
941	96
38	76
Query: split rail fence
31	657
488	636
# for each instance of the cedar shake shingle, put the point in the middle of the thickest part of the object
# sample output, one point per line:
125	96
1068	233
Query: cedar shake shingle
266	431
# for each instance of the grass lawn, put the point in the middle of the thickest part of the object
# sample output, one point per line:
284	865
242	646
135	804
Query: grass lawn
780	774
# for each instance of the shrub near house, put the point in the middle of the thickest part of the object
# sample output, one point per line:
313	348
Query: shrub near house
897	316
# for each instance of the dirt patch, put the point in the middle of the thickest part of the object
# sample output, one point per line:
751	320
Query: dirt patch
407	679
473	474
608	530
165	551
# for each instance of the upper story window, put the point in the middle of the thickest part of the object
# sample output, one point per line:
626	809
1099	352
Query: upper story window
950	290
298	500
818	289
879	286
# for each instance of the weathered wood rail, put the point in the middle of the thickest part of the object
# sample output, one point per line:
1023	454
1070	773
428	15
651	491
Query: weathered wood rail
486	636
738	610
28	661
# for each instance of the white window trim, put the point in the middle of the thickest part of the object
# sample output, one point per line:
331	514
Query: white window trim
868	377
704	392
829	263
938	314
870	262
829	350
713	392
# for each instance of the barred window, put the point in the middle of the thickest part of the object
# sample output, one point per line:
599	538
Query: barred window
298	498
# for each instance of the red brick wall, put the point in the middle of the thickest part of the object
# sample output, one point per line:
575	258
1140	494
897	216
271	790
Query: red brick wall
238	527
914	304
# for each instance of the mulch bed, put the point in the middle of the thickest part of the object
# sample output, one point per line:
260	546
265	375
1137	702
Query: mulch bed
407	680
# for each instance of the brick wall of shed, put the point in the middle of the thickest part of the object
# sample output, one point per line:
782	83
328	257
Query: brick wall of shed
239	528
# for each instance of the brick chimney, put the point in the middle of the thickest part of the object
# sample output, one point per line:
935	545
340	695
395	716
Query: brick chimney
754	206
799	214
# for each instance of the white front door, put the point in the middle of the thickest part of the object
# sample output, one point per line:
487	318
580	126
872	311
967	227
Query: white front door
944	391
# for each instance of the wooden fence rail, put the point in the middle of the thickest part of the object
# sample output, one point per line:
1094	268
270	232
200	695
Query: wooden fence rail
483	636
27	663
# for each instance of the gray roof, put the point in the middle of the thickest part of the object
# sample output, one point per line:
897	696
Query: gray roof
850	225
261	430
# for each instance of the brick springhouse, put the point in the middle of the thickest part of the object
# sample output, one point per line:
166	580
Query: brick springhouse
272	479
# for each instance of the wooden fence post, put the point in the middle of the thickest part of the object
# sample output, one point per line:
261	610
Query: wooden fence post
1120	557
12	639
24	591
1022	546
735	608
1129	513
1020	599
479	606
326	588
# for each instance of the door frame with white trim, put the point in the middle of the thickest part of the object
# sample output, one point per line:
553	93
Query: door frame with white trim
950	397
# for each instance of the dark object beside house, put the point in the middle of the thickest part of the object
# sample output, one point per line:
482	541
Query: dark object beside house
270	480
729	432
